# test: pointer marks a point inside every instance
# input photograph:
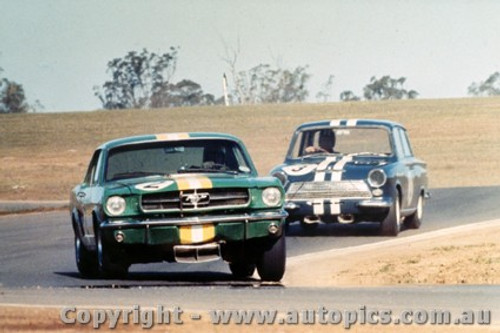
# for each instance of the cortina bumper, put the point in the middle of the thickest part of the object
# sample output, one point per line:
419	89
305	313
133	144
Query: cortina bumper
291	206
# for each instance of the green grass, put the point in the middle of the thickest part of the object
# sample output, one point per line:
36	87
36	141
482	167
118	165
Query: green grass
42	156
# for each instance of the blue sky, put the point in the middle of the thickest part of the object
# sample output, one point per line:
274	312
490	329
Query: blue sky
58	49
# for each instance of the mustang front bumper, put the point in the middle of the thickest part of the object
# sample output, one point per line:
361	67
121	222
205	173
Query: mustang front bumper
195	229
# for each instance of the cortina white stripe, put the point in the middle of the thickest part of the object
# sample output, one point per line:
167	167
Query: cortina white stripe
320	170
338	168
334	206
351	122
318	207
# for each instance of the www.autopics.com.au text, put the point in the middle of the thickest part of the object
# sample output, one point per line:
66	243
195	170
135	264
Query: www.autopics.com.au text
149	317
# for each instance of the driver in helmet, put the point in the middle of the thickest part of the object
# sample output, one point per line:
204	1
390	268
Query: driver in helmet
326	142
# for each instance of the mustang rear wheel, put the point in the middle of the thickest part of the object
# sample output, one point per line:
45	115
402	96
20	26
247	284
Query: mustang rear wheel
271	264
109	263
391	225
242	270
415	220
86	261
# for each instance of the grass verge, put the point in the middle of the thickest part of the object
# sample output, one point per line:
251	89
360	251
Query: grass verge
42	156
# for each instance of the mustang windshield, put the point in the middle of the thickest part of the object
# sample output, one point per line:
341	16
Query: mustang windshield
346	140
164	158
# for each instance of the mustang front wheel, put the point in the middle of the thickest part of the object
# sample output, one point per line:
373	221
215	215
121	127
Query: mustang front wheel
271	265
86	261
242	270
109	266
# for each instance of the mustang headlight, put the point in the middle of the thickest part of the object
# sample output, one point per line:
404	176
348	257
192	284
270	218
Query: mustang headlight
115	205
271	196
377	178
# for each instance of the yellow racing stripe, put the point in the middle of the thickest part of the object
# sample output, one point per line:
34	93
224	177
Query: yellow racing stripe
172	136
208	232
185	234
192	234
192	183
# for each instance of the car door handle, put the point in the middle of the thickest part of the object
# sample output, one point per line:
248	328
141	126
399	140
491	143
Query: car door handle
81	194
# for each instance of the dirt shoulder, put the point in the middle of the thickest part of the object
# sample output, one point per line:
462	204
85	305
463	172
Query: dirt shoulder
461	255
41	158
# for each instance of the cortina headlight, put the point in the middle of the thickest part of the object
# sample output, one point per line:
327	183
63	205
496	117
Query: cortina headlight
271	196
281	176
377	178
116	205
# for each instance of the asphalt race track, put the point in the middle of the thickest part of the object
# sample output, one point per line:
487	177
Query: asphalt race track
37	266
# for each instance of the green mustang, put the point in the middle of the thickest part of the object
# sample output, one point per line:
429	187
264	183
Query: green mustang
178	197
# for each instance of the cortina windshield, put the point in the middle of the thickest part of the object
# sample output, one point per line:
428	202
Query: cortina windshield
373	141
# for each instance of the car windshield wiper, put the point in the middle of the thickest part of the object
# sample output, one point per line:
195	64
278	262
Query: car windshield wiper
214	169
368	153
136	174
320	153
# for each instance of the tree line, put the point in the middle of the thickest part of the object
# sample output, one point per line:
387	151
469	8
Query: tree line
12	97
144	80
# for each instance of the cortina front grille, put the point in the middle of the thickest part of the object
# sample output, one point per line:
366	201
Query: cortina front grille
326	189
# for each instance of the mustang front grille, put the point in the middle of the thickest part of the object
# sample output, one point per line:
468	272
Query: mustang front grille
326	189
179	201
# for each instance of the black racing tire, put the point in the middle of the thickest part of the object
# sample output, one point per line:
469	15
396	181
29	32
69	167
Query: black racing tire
391	225
414	221
271	264
242	270
86	261
110	264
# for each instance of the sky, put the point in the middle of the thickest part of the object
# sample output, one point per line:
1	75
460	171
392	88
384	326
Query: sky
58	50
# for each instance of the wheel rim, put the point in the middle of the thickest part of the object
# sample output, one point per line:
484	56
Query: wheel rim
99	251
420	208
78	246
398	214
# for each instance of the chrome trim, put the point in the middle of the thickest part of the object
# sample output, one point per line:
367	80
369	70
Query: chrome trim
273	229
374	204
345	189
120	237
311	219
309	200
283	178
369	179
196	220
198	209
197	253
345	218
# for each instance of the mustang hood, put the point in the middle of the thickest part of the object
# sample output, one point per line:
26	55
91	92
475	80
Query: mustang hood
190	181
